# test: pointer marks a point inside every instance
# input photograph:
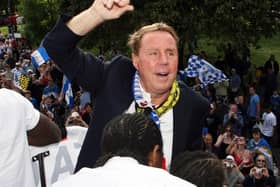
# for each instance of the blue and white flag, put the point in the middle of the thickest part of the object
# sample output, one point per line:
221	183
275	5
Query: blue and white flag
67	91
39	57
207	73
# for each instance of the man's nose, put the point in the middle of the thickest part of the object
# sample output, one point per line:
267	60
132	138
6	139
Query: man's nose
163	58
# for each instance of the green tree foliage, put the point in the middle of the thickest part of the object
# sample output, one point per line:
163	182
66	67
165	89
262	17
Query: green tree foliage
39	18
4	6
240	22
108	37
184	16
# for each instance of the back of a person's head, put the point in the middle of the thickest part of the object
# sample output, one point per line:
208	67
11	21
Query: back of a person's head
133	135
200	168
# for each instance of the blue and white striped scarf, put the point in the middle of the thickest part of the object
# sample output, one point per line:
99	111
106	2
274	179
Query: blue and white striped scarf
143	100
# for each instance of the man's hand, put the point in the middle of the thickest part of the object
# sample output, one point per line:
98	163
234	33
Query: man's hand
97	13
110	9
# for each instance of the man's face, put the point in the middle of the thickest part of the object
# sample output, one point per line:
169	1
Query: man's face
251	91
157	62
208	140
7	67
88	108
256	136
48	100
260	161
260	167
233	108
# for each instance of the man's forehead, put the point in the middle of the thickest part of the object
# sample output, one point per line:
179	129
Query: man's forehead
154	35
157	40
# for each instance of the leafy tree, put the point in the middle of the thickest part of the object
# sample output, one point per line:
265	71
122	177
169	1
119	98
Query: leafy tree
240	22
39	18
8	4
108	38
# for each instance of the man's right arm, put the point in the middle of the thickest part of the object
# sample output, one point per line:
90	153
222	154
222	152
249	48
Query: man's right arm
97	13
60	43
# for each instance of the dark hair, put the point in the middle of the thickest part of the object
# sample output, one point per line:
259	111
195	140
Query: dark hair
267	106
200	168
226	126
256	130
252	86
88	104
134	135
259	154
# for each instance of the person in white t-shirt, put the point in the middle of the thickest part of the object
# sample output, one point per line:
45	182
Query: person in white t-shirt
131	143
20	125
269	123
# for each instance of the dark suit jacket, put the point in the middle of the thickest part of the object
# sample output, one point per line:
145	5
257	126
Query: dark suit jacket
111	83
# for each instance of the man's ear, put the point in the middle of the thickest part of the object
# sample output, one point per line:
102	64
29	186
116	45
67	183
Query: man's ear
135	60
155	157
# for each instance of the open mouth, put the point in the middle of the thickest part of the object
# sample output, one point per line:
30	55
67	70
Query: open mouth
162	74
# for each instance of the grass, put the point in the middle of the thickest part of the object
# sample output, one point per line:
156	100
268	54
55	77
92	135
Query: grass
259	55
4	29
267	47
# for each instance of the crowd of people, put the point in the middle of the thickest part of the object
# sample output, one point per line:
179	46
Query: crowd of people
221	134
42	86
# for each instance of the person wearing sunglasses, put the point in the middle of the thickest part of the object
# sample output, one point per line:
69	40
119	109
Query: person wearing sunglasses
224	140
260	175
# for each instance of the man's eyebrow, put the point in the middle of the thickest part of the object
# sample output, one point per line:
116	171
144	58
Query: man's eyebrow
171	49
156	49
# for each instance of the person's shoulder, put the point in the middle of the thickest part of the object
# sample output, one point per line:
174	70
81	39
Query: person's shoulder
13	101
163	177
121	58
184	88
174	181
4	90
171	180
190	95
117	60
76	131
8	92
120	65
256	96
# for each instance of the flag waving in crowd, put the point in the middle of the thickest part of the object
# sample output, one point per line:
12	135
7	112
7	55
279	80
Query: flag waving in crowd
40	57
207	73
67	91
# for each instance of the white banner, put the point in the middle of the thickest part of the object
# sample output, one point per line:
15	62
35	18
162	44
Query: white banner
62	157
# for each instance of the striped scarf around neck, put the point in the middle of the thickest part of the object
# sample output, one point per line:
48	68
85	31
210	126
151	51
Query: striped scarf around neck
143	100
